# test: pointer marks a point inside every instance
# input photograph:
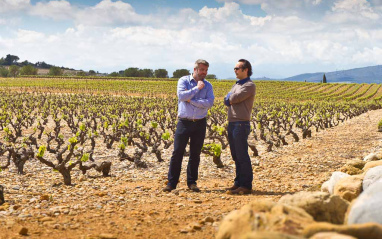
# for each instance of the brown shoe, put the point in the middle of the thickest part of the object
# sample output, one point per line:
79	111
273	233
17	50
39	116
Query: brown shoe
241	191
234	187
194	188
168	188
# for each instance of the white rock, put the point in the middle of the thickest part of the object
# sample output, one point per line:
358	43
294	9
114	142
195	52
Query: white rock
367	207
334	179
325	187
371	176
371	157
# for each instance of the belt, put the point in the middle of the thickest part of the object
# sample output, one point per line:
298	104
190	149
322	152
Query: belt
193	120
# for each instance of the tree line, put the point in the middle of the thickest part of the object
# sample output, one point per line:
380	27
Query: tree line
10	67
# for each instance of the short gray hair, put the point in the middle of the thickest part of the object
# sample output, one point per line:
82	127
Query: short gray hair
201	61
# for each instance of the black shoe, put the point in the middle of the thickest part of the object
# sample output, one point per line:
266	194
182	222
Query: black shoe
234	187
168	188
194	188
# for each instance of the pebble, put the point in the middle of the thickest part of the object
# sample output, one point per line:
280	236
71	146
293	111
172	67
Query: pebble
196	226
32	200
44	197
106	236
23	231
24	215
208	219
46	219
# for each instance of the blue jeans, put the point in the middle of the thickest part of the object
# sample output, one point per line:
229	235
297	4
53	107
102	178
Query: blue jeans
185	131
238	142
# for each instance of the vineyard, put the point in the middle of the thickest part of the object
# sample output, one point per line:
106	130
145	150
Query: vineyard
64	123
73	125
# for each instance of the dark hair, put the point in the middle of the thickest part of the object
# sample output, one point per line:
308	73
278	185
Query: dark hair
246	65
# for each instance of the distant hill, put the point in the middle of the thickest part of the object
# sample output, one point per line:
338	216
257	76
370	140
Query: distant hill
370	74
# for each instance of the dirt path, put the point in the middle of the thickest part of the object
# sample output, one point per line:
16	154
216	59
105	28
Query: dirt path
130	204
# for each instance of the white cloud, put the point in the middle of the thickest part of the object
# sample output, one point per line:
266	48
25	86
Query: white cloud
308	8
24	36
223	14
111	36
9	6
58	10
105	13
108	13
354	13
368	55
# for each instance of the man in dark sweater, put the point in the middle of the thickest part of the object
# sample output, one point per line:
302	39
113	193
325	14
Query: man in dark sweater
240	102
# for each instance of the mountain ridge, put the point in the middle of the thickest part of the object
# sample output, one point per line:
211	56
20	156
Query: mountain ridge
369	74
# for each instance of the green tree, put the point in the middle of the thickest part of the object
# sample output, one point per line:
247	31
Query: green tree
180	72
43	65
4	72
81	73
28	70
324	79
211	76
132	72
147	73
161	73
92	73
114	74
55	71
25	63
11	59
14	70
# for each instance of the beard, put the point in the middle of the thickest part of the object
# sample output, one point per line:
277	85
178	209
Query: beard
201	75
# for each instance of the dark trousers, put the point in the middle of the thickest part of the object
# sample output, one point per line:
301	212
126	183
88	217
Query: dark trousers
185	131
238	142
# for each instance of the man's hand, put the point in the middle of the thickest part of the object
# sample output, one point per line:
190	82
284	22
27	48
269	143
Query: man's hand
226	99
200	85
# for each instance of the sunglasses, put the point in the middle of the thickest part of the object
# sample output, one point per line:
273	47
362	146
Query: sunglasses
236	68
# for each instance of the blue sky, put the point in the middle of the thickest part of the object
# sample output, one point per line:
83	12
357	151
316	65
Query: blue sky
281	38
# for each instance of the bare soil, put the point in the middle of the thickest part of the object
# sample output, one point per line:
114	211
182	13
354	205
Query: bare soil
130	203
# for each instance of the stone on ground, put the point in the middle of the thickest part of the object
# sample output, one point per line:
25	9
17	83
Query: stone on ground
349	188
366	230
372	164
334	179
371	176
367	207
263	216
357	163
371	157
270	235
330	235
320	205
